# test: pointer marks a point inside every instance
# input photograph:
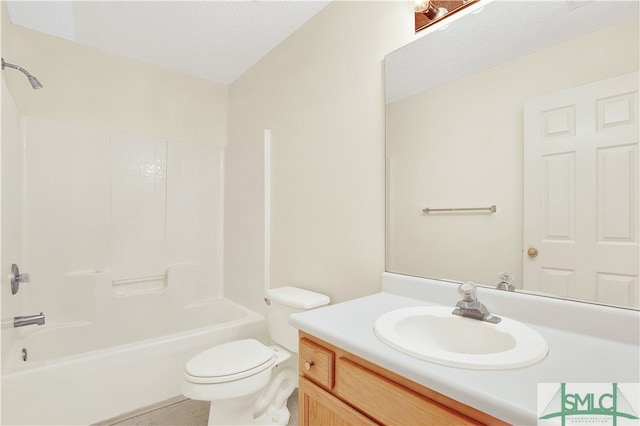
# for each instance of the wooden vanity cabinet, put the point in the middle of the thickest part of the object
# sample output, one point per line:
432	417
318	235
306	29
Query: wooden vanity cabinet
339	388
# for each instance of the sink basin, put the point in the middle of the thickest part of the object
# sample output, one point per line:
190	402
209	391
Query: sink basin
433	333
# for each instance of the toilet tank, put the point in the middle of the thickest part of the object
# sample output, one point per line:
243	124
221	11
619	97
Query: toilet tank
284	301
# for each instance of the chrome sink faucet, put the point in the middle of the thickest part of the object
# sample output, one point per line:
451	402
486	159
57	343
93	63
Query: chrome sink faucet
470	307
506	282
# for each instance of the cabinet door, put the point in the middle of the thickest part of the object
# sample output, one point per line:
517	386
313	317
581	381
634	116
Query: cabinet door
318	407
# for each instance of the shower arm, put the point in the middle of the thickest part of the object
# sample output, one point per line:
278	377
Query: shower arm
6	64
32	79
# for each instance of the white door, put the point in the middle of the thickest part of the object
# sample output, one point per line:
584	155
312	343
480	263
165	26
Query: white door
581	190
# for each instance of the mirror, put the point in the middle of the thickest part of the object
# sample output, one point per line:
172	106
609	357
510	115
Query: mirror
531	107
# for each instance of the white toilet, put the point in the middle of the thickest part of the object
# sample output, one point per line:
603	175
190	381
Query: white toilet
246	381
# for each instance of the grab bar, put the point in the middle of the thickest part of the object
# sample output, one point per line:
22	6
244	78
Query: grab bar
491	209
140	285
139	279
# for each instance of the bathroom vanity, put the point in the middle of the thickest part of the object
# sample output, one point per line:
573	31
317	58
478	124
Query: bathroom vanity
339	388
349	376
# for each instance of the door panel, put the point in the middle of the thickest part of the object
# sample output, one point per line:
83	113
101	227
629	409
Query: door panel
581	192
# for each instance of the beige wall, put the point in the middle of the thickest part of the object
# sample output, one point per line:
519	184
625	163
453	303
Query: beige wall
469	153
321	92
93	87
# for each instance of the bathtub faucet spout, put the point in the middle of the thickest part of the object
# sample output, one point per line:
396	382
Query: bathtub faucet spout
28	320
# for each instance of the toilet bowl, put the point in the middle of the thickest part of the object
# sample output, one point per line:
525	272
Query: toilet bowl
246	381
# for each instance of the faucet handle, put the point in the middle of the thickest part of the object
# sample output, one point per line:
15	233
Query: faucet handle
468	291
505	277
17	278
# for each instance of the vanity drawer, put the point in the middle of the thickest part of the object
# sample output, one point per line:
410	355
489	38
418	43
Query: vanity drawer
388	402
317	363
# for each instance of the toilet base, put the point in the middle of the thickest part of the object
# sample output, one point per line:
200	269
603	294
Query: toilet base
274	416
230	414
242	414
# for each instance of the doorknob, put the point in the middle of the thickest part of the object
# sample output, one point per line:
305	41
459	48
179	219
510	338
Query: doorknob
532	252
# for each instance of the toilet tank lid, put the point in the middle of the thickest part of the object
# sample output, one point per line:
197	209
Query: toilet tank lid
297	297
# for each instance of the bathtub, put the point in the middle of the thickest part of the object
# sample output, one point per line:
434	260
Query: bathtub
75	373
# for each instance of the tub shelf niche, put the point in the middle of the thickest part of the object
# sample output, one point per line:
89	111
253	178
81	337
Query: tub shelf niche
141	285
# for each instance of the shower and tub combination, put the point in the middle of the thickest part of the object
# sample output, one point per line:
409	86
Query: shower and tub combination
122	237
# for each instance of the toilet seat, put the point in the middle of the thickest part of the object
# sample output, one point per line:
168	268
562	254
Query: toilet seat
230	361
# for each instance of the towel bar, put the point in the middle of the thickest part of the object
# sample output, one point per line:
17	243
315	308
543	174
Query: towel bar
491	209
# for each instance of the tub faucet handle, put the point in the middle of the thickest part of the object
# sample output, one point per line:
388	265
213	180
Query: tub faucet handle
17	278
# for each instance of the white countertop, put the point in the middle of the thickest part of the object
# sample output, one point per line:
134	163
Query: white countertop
510	395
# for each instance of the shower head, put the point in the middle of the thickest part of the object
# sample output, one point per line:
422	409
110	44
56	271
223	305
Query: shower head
32	80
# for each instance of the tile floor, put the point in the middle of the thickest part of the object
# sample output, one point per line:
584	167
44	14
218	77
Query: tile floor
182	412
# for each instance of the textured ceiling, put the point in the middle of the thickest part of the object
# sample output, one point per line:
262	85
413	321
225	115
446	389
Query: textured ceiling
490	33
214	40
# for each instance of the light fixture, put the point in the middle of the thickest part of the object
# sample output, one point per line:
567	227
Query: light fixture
428	12
427	8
